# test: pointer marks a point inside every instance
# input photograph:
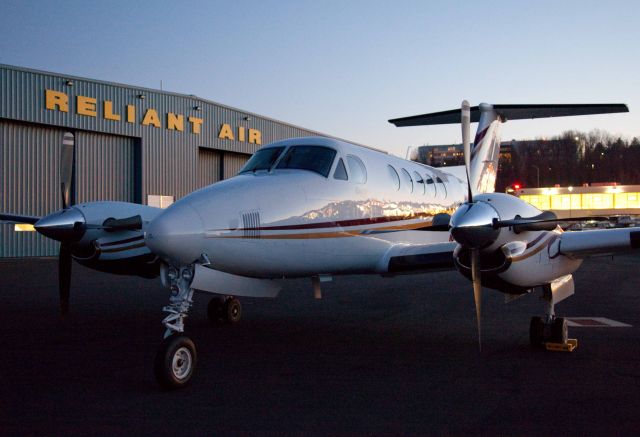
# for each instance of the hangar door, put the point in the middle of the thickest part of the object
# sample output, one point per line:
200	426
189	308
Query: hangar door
208	167
105	167
29	184
233	162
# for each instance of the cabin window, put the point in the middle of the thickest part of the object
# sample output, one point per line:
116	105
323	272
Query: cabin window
394	177
357	169
407	181
263	159
442	187
430	186
420	182
341	171
317	159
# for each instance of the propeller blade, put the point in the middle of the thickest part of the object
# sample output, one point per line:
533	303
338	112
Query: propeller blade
14	218
66	169
466	126
477	291
540	223
64	277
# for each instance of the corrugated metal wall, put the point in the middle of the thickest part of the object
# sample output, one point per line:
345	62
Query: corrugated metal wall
208	167
233	162
29	172
104	167
117	159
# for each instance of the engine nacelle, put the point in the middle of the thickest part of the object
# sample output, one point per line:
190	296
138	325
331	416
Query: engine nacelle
517	261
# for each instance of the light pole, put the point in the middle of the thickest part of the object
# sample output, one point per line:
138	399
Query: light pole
538	174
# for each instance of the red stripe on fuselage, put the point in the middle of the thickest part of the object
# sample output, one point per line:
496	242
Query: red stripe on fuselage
341	223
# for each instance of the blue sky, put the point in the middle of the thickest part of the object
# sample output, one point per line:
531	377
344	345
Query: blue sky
345	67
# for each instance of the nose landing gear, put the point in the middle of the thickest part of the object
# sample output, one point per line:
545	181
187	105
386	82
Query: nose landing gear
176	358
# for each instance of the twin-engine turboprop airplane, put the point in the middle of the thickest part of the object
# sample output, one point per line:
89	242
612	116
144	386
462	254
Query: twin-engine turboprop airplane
317	207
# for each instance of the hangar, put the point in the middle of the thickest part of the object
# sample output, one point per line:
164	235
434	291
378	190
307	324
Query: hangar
131	143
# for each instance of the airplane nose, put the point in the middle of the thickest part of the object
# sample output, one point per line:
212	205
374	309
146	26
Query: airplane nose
176	234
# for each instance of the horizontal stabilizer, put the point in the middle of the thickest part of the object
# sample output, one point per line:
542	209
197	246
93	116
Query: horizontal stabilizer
512	112
13	218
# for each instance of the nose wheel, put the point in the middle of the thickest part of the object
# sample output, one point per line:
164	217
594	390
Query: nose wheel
175	362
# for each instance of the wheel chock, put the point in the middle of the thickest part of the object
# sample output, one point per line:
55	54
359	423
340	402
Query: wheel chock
569	346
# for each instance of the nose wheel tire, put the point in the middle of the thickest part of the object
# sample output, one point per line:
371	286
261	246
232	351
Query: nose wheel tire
175	362
536	331
232	310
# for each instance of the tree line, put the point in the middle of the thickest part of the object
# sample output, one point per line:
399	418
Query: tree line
570	159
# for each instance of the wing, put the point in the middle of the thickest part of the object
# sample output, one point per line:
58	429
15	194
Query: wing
14	218
406	258
583	244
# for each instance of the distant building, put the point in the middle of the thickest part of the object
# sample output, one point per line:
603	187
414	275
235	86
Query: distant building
585	201
450	155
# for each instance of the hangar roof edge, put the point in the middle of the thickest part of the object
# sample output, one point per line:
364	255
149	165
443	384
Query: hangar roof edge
192	96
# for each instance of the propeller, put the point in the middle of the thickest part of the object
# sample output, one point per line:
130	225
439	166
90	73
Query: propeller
469	226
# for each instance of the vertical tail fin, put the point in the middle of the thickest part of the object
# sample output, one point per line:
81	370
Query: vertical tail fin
485	151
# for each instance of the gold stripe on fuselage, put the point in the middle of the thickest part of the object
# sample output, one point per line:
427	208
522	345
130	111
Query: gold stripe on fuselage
265	235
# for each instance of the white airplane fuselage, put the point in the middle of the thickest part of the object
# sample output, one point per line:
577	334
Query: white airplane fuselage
294	223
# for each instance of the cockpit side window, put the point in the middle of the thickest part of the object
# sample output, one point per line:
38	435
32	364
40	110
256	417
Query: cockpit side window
263	159
341	171
313	158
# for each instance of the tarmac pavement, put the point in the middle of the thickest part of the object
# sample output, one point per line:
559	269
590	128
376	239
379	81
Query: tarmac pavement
375	356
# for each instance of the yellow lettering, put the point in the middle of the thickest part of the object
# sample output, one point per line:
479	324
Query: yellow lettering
240	133
225	132
56	99
255	136
151	117
175	122
195	124
86	106
108	111
131	114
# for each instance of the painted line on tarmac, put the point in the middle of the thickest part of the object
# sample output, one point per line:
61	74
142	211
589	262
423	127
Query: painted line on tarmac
595	322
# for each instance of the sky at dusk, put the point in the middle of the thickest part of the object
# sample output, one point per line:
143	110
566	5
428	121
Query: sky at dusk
345	67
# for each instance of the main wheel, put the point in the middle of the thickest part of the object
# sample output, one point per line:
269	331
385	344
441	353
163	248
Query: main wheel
536	331
232	310
175	362
216	309
559	330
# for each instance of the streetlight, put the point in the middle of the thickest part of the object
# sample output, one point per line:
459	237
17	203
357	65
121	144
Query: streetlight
538	173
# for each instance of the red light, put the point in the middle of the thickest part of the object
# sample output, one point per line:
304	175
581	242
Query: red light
516	186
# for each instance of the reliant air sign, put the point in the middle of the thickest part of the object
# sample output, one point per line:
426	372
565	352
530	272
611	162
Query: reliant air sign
90	107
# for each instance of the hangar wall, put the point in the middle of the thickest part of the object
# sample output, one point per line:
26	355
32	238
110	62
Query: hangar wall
130	143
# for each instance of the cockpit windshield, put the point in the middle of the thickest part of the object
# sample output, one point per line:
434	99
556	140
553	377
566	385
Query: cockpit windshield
313	158
263	159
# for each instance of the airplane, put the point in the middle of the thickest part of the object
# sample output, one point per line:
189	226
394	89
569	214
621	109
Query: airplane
318	207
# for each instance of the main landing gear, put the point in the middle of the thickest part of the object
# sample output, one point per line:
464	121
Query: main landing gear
227	309
548	329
